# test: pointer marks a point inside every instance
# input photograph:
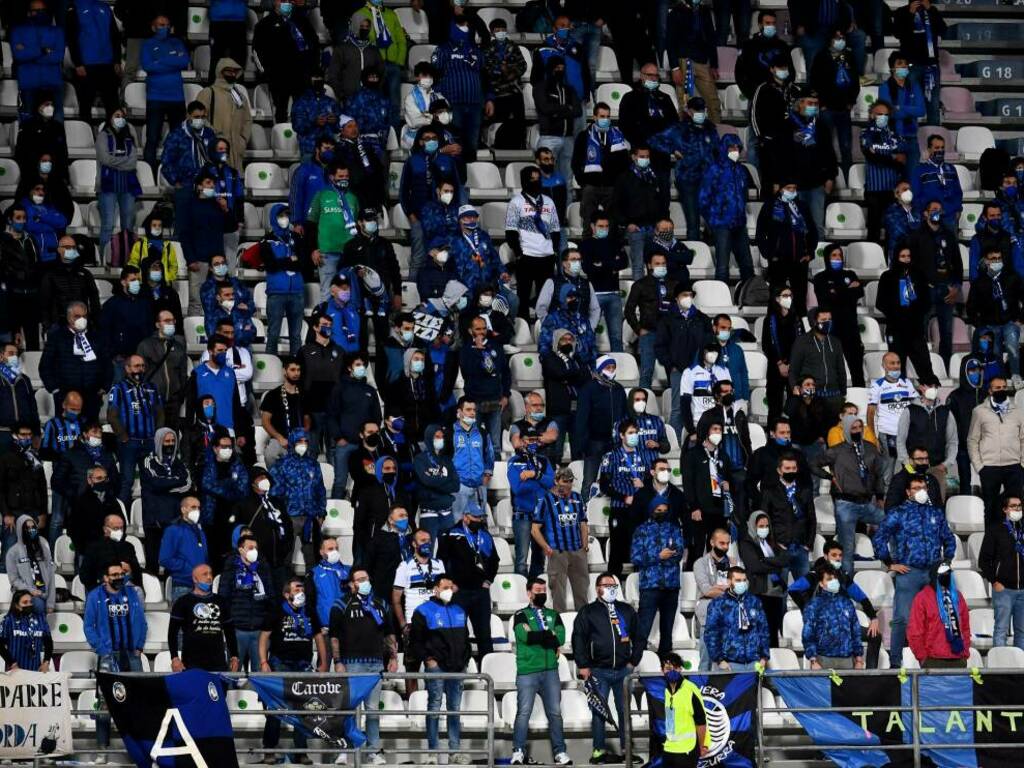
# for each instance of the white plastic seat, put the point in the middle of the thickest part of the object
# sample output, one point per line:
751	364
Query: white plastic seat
783	658
965	514
509	591
792	629
972	140
267	371
502	669
846	219
526	370
713	296
611	94
866	259
972	586
266	180
340	517
83	662
492	217
484	181
877	585
245	701
1005	657
868	96
156	633
65	628
284	141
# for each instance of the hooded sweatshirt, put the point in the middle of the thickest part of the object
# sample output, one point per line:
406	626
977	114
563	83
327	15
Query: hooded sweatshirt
995	438
29	564
228	111
856	468
965	398
723	189
280	257
436	478
164	481
299	480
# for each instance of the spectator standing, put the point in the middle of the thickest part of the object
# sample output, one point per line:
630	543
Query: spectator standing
693	56
787	237
387	33
696	388
300	480
25	641
939	628
602	258
533	233
888	397
681	336
819	355
289	52
657	551
995	443
781	329
351	58
473	456
622	473
422	175
163	477
246	586
223	483
29	565
460	65
937	254
470	559
885	152
904	298
601	404
326	584
228	106
559	110
834	74
530	474
723	204
135	411
599	157
22	479
638	202
766	561
94	46
117	184
756	53
184	547
736	634
279	249
164	58
711	575
935	179
228	30
645	111
565	374
920	27
840	289
1000	562
906	96
74	360
331	223
186	150
706	470
202	619
19	270
37	47
769	108
831	633
561	529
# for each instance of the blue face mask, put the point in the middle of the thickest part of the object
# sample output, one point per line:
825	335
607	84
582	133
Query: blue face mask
784	441
327	155
603	123
161	33
768	31
789	195
673	676
537	415
402	525
601	233
974	378
208	411
430	145
810	111
417	366
24	442
700	117
426	549
562	34
220	358
935	216
881	121
835	264
18	226
1010	192
984	345
204	587
633	439
901	72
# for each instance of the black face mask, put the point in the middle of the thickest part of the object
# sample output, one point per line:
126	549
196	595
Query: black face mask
720	553
659	517
565	349
388	477
168	451
474	525
364	34
728	399
945	579
532	188
372	441
856	436
1000	397
921	469
540	600
547	167
117	584
790	477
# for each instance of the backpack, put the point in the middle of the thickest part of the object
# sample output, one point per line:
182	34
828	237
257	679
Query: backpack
120	248
753	292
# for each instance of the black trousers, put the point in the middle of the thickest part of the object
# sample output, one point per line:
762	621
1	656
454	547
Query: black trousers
853	351
994	482
99	79
911	344
283	90
675	760
774	609
876	203
699	532
777	389
151	545
623	529
531	272
23	309
510	111
477	605
227	39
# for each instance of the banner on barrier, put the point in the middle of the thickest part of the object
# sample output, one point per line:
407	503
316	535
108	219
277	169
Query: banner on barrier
35	714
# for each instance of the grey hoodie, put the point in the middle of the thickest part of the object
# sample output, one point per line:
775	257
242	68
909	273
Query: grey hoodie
19	565
453	291
845	468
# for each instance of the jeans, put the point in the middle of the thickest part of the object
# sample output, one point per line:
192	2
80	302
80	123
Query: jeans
248	649
689	199
609	680
734	241
799	563
611	309
452	690
58	509
327	270
435	522
841	124
588	36
561	148
645	347
1008	604
281	305
856	41
811	44
664	602
372	701
675	420
463	496
340	461
815	200
521	529
179	590
740	10
120	661
417	248
934	104
467	118
491	421
272	727
527	687
907	587
944	312
636	240
130	456
393	84
565	423
1007	339
110	204
156	113
848	514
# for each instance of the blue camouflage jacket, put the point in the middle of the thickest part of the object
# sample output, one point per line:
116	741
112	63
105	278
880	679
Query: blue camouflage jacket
185	152
305	110
831	627
698	145
724	633
208	296
241	319
221	488
649	539
723	190
299	480
440	222
914	534
899	223
586	340
372	112
526	494
476	260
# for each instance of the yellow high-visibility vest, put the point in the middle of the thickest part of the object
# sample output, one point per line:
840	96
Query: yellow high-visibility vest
680	729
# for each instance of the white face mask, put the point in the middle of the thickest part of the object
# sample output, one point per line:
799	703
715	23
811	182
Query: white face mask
47	111
734	155
334	557
252	555
444	118
168	329
609	594
1015	515
663	476
785	302
715	438
228	305
442	257
94	442
446	595
426	83
299	599
762	533
438	445
263	484
921	496
193	516
224	454
447	197
931	393
906	197
38	199
116	534
686	302
283	222
639	406
81	324
301	448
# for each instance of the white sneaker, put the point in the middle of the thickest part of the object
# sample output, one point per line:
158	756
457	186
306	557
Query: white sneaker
459	759
377	758
429	760
342	759
518	758
562	758
100	760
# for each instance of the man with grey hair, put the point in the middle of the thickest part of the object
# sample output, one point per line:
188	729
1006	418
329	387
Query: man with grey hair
75	358
561	529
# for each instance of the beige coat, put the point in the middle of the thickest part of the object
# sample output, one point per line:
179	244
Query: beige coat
995	441
229	112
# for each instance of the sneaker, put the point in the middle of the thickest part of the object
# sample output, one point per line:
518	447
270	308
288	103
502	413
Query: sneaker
342	759
867	80
304	760
100	760
459	758
269	759
428	760
377	758
518	758
562	758
598	757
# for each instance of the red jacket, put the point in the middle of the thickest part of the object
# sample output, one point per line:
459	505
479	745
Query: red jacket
925	633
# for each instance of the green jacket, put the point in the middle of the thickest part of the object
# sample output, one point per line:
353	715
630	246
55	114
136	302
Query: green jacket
532	655
397	51
335	225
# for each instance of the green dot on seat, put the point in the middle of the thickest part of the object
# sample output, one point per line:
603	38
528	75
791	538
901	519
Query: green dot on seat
196	18
616	96
243	704
3	171
333	512
506	585
970	217
841	218
63	629
260	365
263	175
288	133
599	330
869	98
200	329
687	664
676	471
528	362
71	546
607	511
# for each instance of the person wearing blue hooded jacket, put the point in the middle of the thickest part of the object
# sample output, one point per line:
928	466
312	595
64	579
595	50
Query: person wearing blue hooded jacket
45	224
300	482
531	475
223	483
831	633
94	46
440	215
37	48
460	62
421	176
486	376
473	456
315	116
326	583
309	179
286	292
163	58
736	630
437	482
568	316
183	547
657	551
723	204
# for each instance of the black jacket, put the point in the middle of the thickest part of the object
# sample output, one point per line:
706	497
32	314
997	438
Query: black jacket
804	13
808	421
897	491
834	292
769	109
681	338
820	358
278	53
71	469
697	479
983	308
999	559
447	641
823	77
643	113
787	527
760	568
322	366
564	376
778	334
613	164
936	254
358	633
352	404
777	238
740	427
810	164
642	305
558	106
909	319
467	569
752	63
85	518
102	553
248	607
38	136
22	488
60	285
597	644
381	557
19	263
962	401
376	253
763	466
275	542
637	200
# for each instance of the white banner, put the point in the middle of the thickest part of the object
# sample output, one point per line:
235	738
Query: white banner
35	714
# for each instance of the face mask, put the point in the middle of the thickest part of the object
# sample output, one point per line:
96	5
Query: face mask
810	111
836	564
1015	515
447	197
156	277
935	217
438	445
662	476
14	363
930	393
651	85
789	195
633	439
565	349
94	442
723	336
252	555
892	375
832	586
18	226
364	588
263	485
134	287
945	579
639	406
643	162
225	454
117	534
300	449
984	345
417	366
673	676
208	411
24	443
939	156
359	372
856	436
1000	397
444	118
786	302
603	123
192	516
784	441
659	272
575	267
762	533
608	373
824	327
47	111
208	192
119	123
161	32
442	258
299	599
462	303
286	9
685	303
881	121
341	184
204	586
782	74
324	331
700	117
371	227
45	167
500	35
789	477
715	438
446	595
734	155
710	358
768	31
197	123
562	34
486	300
906	197
540	600
839	45
343	296
901	72
117	584
995	224
836	264
228	305
219	270
740	588
601	233
333	557
430	145
609	594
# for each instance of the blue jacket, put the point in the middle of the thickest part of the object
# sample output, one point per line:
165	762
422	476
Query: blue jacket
308	179
45	226
899	224
723	188
882	172
437	480
126	320
228	10
577	74
279	251
723	635
372	112
599	407
579	325
432	279
914	534
221	487
731	356
1013	212
831	627
460	63
440	223
649	539
208	295
415	190
527	494
97	622
981	240
908	106
346	322
305	110
485	372
241	319
327	584
18	402
472	454
939	182
202	224
477	265
92	34
182	548
299	480
164	59
185	152
619	468
38	52
699	145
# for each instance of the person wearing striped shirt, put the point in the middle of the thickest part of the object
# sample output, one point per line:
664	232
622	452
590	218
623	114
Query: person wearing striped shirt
561	529
25	641
888	397
135	410
60	435
885	153
695	387
622	473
